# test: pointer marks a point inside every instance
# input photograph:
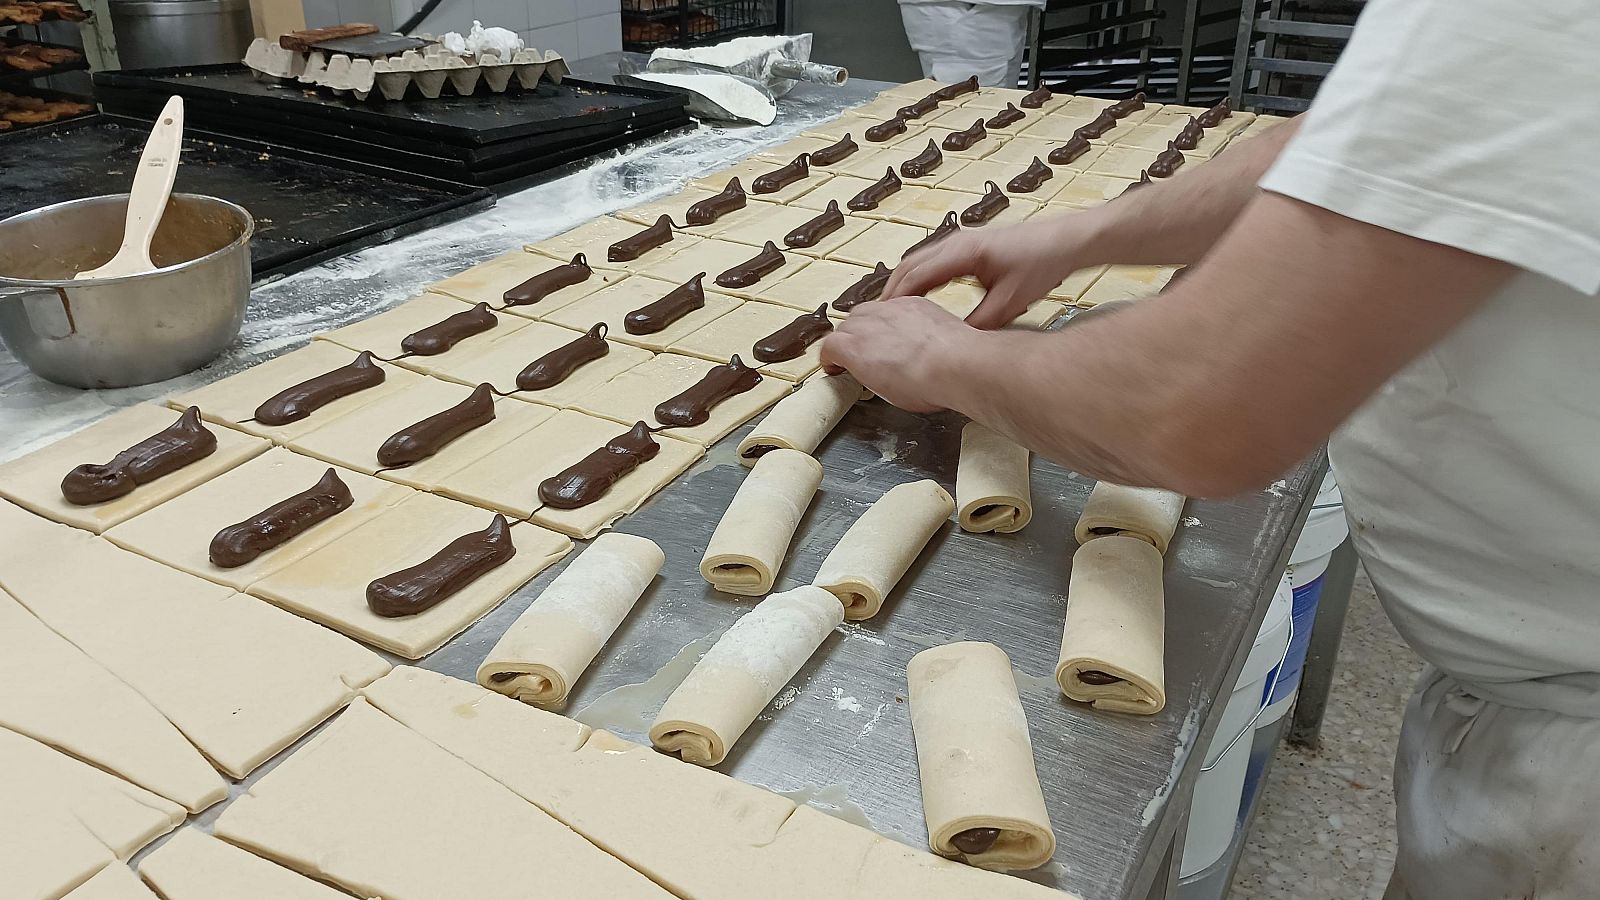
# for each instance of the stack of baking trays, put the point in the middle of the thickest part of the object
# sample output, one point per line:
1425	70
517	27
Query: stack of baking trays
486	139
25	60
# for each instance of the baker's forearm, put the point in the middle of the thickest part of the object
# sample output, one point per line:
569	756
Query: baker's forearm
1177	220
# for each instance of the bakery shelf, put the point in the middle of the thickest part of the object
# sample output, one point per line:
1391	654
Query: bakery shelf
10	75
648	25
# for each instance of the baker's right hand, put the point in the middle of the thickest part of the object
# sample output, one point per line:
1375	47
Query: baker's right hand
1017	265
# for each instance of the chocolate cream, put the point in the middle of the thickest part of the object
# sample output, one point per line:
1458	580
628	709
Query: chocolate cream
439	577
421	440
964	140
994	202
717	205
792	340
782	176
865	290
449	331
834	152
638	244
657	315
1037	98
1031	178
1006	117
752	270
281	522
818	227
1076	146
298	401
923	163
592	477
549	281
885	130
694	405
168	450
556	366
870	196
950	225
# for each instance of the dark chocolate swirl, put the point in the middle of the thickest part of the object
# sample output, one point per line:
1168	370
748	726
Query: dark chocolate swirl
592	477
1007	117
923	163
298	401
549	281
420	440
717	205
865	290
1076	146
439	577
1167	162
885	130
1124	108
782	176
870	196
818	227
1031	178
834	152
918	109
449	331
678	302
752	270
168	450
950	225
1098	126
1213	117
975	840
993	203
554	367
1037	98
964	140
281	522
694	405
638	244
1189	136
1144	179
792	340
952	91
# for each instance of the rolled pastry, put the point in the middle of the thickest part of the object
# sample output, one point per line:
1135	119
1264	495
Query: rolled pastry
547	648
980	791
1112	642
801	420
992	491
742	672
878	549
1148	513
748	547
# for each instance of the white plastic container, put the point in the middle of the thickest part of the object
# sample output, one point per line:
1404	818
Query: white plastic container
1325	530
1214	809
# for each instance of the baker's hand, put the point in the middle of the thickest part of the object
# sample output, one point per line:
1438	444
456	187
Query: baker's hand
900	349
1018	264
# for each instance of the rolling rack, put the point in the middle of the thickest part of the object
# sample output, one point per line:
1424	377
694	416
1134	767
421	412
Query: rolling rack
1283	52
649	24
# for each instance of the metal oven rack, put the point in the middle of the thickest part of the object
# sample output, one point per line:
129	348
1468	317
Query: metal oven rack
1283	53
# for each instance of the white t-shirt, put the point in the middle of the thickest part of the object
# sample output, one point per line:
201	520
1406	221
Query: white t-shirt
1472	479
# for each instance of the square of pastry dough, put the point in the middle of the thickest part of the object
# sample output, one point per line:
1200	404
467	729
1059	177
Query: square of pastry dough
750	169
961	297
1149	136
353	440
916	90
773	223
856	127
821	282
996	98
714	257
383	332
881	107
1021	151
1085	190
594	239
974	177
843	188
990	143
508	481
34	480
874	164
928	208
633	396
737	333
613	304
234	399
1058	126
673	205
884	242
487	282
1127	283
1084	105
179	532
1123	162
500	362
329	586
788	150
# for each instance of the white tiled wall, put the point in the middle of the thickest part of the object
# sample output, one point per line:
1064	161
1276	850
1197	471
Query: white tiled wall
576	28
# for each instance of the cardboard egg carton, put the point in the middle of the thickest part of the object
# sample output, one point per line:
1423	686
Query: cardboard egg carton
430	69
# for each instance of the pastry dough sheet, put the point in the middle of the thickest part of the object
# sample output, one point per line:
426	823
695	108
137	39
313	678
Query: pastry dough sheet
613	304
59	696
487	282
747	550
115	882
44	850
803	419
675	206
742	672
594	239
878	548
714	257
508	479
179	532
884	242
961	298
750	169
928	209
992	482
1115	626
501	361
353	441
329	586
234	399
120	815
383	332
546	650
821	282
208	659
975	758
34	480
1085	190
633	396
344	809
193	865
1127	283
737	333
753	226
1149	514
1020	151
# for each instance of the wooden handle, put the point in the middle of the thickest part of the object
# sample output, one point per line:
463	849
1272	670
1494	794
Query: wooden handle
301	41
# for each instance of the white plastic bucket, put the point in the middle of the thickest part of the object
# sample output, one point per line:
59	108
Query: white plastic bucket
1214	809
1325	530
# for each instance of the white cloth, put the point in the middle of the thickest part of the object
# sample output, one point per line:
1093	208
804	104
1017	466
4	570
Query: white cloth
1494	801
1472	480
955	41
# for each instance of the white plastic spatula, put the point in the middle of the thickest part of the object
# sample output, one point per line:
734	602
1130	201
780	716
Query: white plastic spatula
152	186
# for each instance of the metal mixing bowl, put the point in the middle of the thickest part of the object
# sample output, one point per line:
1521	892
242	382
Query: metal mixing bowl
116	332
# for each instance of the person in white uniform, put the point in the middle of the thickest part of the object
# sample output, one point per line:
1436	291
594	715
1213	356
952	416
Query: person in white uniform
1413	264
956	41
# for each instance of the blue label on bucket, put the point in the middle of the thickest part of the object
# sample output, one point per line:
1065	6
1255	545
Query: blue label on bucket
1303	615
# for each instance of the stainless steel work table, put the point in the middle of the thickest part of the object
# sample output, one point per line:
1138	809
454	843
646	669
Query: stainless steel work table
840	733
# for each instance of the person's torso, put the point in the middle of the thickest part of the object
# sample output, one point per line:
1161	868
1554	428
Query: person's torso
1472	485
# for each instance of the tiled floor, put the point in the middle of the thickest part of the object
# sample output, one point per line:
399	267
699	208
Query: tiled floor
1326	826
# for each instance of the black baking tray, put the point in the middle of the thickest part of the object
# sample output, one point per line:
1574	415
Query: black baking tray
483	118
11	76
307	208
